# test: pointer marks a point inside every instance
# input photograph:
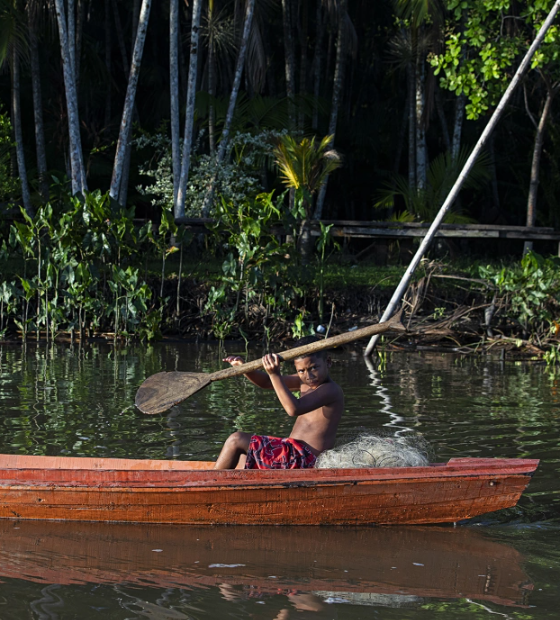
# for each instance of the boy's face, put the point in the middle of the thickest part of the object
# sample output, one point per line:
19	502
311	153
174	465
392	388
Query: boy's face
313	370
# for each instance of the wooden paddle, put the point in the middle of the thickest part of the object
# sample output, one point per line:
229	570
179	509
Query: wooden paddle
163	390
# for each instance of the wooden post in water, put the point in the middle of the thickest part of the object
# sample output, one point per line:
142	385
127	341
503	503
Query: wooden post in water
403	284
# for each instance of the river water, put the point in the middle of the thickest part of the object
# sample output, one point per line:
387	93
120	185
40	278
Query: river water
77	401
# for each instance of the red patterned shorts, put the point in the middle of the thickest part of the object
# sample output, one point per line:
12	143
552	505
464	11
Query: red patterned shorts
275	453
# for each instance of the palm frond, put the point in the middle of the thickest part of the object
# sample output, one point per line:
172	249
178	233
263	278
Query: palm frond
12	31
420	11
442	174
256	62
304	164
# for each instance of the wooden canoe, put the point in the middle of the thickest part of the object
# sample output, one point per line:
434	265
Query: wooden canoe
364	565
190	492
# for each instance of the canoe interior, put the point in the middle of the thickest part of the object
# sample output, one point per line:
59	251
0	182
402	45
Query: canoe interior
22	461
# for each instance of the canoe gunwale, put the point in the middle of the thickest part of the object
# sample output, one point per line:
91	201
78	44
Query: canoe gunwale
213	485
26	477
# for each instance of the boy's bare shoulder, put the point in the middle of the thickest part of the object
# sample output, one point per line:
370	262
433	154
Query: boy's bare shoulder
329	387
334	385
337	388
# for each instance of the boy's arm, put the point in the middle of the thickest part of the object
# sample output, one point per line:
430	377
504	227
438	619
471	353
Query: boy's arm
262	379
324	395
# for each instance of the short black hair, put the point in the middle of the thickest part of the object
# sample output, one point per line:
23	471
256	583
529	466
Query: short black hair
310	340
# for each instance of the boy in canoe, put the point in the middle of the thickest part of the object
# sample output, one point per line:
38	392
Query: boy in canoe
317	412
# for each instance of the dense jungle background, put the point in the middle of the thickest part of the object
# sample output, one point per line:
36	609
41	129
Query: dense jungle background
122	119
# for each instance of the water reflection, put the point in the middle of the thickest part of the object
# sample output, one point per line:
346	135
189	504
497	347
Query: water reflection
383	393
362	566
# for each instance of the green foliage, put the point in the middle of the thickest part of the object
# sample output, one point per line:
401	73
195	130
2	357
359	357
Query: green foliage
8	184
552	358
323	242
79	272
532	289
256	265
237	178
484	40
300	329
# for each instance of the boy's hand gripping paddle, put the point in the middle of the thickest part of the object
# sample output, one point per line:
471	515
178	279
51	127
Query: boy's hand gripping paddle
163	390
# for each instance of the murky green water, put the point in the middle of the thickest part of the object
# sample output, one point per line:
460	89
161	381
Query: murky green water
77	401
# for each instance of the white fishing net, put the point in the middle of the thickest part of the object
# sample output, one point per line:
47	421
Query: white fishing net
369	450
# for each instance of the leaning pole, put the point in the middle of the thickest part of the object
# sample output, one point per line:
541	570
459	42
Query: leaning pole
403	284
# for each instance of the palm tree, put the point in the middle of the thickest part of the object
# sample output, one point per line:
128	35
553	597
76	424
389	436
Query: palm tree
11	46
219	37
179	209
126	121
32	19
68	66
337	91
174	93
289	57
424	18
320	24
249	11
304	167
552	89
16	120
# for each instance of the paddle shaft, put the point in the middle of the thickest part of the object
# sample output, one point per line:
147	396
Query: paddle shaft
309	349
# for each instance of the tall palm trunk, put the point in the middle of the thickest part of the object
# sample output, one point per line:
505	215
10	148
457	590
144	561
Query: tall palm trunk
249	10
179	209
289	62
123	190
80	15
122	47
135	20
303	61
211	80
460	103
421	154
16	120
535	164
317	62
494	172
108	62
411	128
442	119
126	121
76	157
37	106
336	96
120	38
174	87
71	17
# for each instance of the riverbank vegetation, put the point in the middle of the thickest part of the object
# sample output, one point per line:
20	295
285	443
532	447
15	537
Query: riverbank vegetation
267	118
88	269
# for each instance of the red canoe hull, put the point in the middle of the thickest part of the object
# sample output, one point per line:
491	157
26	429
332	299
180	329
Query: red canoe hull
122	490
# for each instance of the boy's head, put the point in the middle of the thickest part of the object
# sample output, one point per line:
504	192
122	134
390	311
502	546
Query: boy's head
313	368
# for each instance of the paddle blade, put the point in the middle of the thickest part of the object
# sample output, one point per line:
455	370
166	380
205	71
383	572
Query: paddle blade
163	390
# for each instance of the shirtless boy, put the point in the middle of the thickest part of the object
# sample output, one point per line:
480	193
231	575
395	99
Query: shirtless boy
317	412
